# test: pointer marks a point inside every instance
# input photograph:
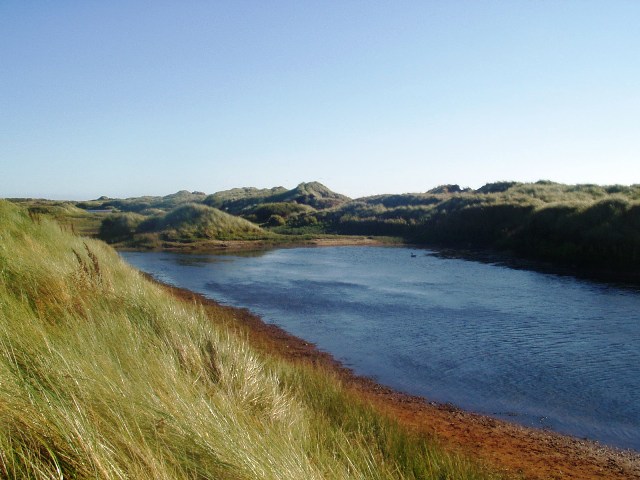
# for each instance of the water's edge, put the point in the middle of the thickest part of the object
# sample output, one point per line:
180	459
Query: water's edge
505	414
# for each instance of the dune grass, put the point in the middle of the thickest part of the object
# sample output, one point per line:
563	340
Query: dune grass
66	213
201	221
103	374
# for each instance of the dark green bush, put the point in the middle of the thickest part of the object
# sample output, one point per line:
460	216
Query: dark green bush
281	209
119	227
276	221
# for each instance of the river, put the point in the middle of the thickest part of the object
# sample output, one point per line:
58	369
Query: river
542	350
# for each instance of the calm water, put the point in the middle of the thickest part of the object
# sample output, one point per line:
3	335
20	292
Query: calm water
542	350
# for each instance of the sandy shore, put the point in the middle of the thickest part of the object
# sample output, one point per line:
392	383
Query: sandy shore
517	451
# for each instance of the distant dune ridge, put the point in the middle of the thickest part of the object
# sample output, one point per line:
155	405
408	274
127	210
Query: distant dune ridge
243	201
588	227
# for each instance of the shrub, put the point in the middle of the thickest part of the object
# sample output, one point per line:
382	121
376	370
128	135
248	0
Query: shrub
281	209
119	227
276	221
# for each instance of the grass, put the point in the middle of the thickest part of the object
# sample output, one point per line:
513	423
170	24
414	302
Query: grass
245	201
105	375
186	224
201	221
77	220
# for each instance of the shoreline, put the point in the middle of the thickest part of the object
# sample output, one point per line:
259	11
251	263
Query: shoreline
623	278
232	246
512	260
509	448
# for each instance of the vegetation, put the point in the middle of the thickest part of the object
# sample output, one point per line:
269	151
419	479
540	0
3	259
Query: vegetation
145	204
239	200
284	210
584	226
105	375
187	223
120	227
66	213
246	201
200	221
578	226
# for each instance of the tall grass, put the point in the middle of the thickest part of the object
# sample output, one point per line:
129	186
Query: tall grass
66	213
104	375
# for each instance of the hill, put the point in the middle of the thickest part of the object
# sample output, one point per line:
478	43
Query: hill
201	221
269	207
145	204
313	194
186	223
238	199
103	374
66	213
246	201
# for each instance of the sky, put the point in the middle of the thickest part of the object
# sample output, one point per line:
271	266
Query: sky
131	98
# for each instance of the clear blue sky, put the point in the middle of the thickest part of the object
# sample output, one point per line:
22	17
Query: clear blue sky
126	98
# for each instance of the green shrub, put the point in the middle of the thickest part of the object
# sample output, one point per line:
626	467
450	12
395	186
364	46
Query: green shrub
276	221
119	227
281	209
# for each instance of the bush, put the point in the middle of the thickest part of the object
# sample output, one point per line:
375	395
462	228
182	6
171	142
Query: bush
264	212
276	221
119	227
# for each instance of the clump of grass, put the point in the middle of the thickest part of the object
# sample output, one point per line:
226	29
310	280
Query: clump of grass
104	375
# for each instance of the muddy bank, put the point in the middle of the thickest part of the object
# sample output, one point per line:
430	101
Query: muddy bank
517	451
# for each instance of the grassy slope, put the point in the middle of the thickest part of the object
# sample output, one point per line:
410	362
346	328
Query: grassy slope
103	375
245	201
193	222
146	203
206	222
187	224
68	214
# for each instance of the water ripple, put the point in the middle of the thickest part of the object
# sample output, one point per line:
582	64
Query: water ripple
547	351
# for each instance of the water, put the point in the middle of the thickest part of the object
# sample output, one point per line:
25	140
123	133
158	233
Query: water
542	350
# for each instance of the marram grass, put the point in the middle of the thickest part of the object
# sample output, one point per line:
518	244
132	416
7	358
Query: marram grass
104	375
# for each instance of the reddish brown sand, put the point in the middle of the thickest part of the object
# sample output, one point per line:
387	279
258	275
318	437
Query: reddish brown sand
516	451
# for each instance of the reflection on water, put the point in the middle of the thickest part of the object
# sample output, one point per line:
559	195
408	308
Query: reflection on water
543	350
198	259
